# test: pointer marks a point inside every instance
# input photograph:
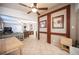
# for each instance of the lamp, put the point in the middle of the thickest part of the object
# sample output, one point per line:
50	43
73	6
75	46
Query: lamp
34	10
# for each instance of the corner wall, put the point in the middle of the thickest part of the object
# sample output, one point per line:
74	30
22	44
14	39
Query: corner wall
72	24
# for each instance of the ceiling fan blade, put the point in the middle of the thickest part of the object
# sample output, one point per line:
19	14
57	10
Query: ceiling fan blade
35	4
42	8
29	12
24	5
38	13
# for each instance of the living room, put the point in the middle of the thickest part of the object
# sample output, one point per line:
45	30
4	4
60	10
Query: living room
51	30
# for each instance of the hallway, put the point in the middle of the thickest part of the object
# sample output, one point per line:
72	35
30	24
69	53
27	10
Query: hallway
32	46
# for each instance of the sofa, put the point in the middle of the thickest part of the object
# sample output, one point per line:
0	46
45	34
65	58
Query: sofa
9	45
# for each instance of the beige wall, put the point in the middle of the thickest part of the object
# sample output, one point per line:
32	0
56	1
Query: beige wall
78	25
77	21
56	38
72	23
54	8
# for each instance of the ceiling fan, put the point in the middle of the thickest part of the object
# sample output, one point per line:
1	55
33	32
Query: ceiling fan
34	8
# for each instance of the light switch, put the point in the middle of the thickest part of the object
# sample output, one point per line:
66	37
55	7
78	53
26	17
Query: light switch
73	27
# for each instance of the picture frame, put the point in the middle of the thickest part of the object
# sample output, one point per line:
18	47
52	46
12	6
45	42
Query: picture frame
58	22
43	24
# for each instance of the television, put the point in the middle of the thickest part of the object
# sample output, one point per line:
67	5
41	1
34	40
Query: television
7	30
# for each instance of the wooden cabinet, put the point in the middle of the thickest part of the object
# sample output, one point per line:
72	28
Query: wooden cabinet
27	33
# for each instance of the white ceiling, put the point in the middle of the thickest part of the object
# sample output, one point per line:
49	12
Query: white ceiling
26	9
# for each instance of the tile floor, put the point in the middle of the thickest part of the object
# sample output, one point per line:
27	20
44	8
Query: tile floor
32	46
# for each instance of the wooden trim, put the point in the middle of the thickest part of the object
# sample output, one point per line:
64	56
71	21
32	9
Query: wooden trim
43	32
49	28
63	34
68	21
38	29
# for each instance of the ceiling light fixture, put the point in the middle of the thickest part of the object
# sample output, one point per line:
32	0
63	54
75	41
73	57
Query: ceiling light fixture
34	10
